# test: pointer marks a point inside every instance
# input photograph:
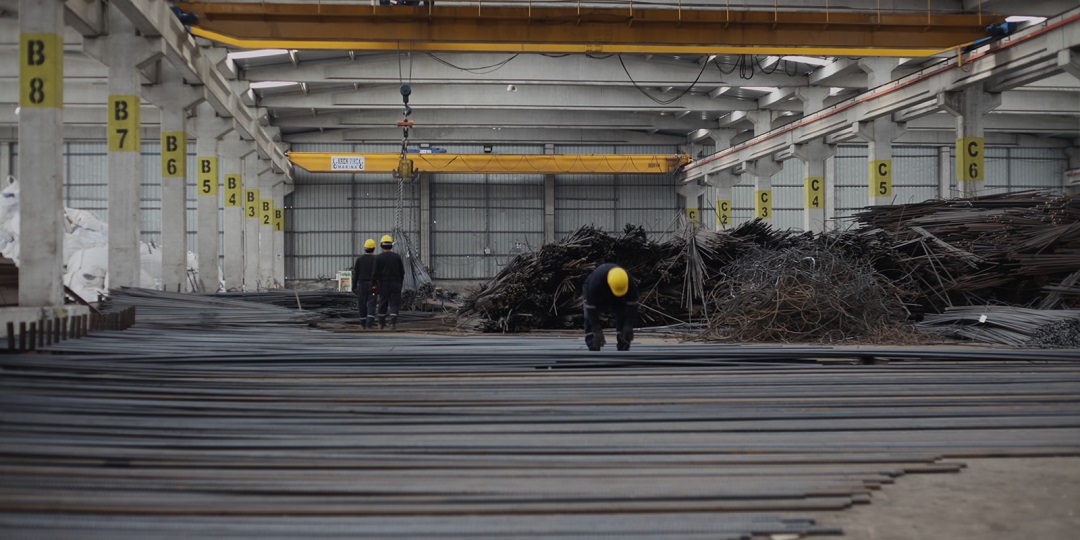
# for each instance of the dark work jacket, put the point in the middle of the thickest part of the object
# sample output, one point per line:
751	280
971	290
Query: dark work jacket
598	295
389	270
361	272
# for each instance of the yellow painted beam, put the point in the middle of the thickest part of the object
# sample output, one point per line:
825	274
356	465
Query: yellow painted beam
322	162
569	30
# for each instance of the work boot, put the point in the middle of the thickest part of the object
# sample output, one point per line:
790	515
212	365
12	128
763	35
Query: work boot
382	324
393	323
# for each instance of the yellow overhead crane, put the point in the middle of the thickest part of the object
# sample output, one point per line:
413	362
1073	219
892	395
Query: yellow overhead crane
575	29
322	162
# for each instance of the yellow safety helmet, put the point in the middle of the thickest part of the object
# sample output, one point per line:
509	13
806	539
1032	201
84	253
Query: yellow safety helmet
369	244
619	281
387	241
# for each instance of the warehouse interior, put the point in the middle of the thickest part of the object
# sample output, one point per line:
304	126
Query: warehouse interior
899	176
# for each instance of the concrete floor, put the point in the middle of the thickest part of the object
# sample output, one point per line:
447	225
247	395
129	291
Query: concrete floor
999	499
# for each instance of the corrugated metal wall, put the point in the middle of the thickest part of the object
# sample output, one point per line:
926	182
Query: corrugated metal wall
330	215
479	222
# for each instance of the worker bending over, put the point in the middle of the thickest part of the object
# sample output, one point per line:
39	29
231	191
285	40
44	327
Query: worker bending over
365	294
610	287
387	278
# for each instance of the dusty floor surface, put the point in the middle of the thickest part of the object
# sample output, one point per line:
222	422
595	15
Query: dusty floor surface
992	499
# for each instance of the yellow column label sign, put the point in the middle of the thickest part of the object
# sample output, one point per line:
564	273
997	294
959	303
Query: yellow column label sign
251	203
723	212
234	192
207	177
266	214
814	189
763	203
279	220
124	124
881	178
970	159
173	154
41	71
692	215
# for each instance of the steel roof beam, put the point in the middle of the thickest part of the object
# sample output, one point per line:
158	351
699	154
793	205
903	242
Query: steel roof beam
661	30
1011	54
154	19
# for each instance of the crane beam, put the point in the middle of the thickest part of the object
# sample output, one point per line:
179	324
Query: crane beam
322	162
582	30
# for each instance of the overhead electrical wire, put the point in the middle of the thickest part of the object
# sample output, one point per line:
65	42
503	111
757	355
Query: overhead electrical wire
477	70
662	101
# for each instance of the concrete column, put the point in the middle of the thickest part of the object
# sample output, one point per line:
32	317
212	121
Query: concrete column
549	201
173	98
691	200
723	181
425	218
233	151
816	184
41	160
762	170
267	179
125	144
1070	181
831	193
878	70
944	174
277	226
5	163
879	134
208	129
969	105
252	169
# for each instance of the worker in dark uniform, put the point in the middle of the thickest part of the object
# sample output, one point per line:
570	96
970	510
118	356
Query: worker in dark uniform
387	278
361	281
610	287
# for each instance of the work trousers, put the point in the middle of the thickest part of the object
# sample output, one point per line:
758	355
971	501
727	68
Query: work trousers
365	303
623	327
389	301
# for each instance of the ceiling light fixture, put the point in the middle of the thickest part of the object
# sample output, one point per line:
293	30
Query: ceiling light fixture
257	53
261	85
809	60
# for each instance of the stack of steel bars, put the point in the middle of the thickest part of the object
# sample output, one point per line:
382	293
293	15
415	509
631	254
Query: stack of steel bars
270	429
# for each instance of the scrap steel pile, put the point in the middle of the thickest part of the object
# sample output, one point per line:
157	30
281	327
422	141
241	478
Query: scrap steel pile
749	283
753	283
1020	249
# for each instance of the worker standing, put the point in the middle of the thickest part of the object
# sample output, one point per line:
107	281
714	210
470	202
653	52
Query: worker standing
388	277
365	294
610	287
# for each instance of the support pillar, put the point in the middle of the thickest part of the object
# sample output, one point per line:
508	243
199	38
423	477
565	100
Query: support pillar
425	218
208	129
267	179
691	198
123	52
879	134
549	201
41	160
173	97
969	105
723	181
5	163
762	170
253	168
277	227
817	185
233	150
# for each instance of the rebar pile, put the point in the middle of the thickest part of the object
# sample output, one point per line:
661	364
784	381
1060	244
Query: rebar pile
1014	248
750	283
804	293
1009	325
